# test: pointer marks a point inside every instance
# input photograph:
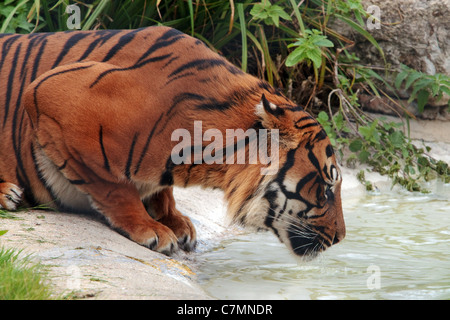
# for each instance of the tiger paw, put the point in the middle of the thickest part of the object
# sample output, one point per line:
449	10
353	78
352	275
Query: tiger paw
183	229
10	196
156	237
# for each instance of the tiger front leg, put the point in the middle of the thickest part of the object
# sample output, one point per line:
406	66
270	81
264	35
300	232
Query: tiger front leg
162	206
124	210
10	196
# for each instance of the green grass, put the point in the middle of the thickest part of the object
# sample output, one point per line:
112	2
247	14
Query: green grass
5	214
21	278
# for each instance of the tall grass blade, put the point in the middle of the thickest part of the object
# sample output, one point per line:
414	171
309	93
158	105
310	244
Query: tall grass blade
191	15
95	14
242	21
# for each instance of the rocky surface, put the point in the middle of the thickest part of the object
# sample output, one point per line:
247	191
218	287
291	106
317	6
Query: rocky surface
415	33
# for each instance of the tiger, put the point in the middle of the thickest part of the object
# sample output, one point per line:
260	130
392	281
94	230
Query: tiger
86	126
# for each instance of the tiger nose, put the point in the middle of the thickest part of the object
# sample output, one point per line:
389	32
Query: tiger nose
339	235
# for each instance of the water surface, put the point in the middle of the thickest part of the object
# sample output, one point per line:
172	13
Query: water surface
397	247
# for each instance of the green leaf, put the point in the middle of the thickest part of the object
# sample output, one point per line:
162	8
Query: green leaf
324	42
400	78
364	156
2	232
422	99
411	78
323	117
396	138
315	56
258	11
356	145
296	56
269	13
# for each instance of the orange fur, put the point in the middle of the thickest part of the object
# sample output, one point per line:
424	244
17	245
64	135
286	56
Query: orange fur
88	119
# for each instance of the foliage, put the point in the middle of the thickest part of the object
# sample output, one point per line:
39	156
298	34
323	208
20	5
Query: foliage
423	86
270	13
290	44
309	48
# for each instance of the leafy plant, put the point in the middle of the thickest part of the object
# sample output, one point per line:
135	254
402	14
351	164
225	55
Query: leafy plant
269	13
423	86
308	48
15	15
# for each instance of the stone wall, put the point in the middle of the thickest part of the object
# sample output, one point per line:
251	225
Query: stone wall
412	32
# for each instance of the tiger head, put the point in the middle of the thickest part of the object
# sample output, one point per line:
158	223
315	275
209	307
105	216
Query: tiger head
301	202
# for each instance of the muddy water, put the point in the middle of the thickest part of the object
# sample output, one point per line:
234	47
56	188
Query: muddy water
397	247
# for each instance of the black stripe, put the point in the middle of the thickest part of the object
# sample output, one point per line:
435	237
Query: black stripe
147	143
213	104
136	66
171	33
271	197
167	176
130	157
184	75
169	62
123	41
37	60
204	64
304	181
163	42
166	179
5	35
70	43
314	160
62	167
329	150
324	170
27	192
25	62
312	124
77	182
11	82
6	47
307	117
290	161
105	35
102	147
319	136
323	235
16	132
35	40
182	97
317	216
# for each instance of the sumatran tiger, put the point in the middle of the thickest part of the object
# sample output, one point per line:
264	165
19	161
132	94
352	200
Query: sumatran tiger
86	123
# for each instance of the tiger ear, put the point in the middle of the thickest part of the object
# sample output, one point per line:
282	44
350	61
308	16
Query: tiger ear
270	107
268	112
275	117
